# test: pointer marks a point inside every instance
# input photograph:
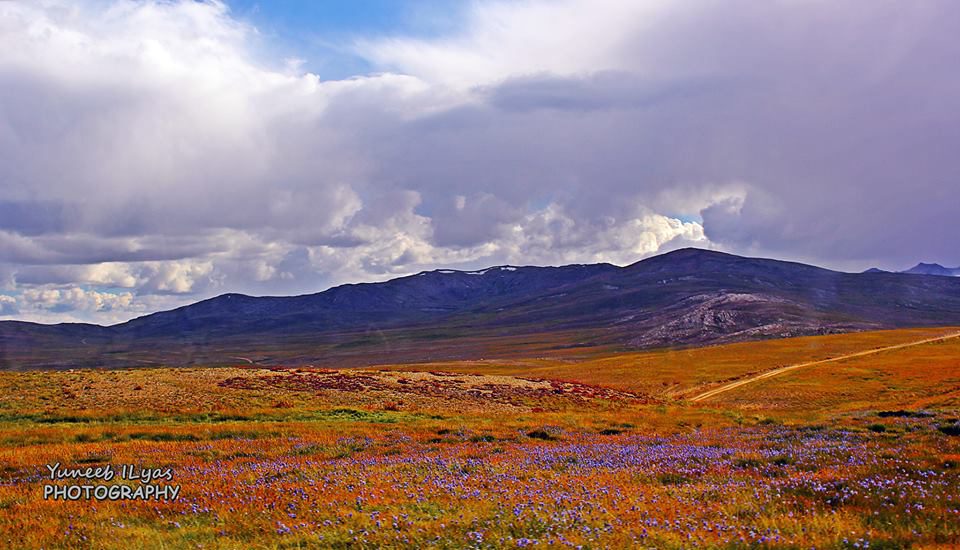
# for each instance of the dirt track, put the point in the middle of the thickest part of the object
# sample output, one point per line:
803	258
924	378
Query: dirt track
776	372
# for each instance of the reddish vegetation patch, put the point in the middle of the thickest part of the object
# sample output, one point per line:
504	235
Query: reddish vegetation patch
446	386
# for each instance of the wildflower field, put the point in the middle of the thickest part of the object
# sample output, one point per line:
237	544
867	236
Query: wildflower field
594	452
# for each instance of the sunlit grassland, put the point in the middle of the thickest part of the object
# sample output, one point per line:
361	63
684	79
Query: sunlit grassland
679	372
917	377
837	456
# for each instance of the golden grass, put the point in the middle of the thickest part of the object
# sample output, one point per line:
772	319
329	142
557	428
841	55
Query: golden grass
677	373
917	377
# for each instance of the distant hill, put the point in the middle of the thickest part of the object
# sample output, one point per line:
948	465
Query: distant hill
923	269
933	269
685	297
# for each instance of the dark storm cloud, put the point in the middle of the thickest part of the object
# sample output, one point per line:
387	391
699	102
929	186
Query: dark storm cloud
33	217
79	249
599	91
838	122
472	220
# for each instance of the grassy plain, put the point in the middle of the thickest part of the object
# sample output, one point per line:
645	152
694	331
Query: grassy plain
683	372
595	451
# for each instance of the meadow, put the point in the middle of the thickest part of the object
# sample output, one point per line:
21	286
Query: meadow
593	451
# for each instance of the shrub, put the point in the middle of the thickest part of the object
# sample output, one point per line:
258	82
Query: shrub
782	460
541	434
950	429
672	479
747	462
901	413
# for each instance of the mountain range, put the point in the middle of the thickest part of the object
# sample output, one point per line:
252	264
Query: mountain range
681	298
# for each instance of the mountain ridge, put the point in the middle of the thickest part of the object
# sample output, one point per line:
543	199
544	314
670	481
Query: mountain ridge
933	269
923	269
684	297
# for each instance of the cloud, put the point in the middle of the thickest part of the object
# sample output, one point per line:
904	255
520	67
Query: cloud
519	38
8	305
70	303
593	91
152	149
837	119
75	298
558	237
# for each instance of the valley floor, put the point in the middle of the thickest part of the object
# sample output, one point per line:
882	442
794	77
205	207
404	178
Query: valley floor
859	453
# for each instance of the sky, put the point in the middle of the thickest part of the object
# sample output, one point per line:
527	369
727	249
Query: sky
153	154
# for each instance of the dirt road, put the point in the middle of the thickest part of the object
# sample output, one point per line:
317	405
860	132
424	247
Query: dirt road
777	372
